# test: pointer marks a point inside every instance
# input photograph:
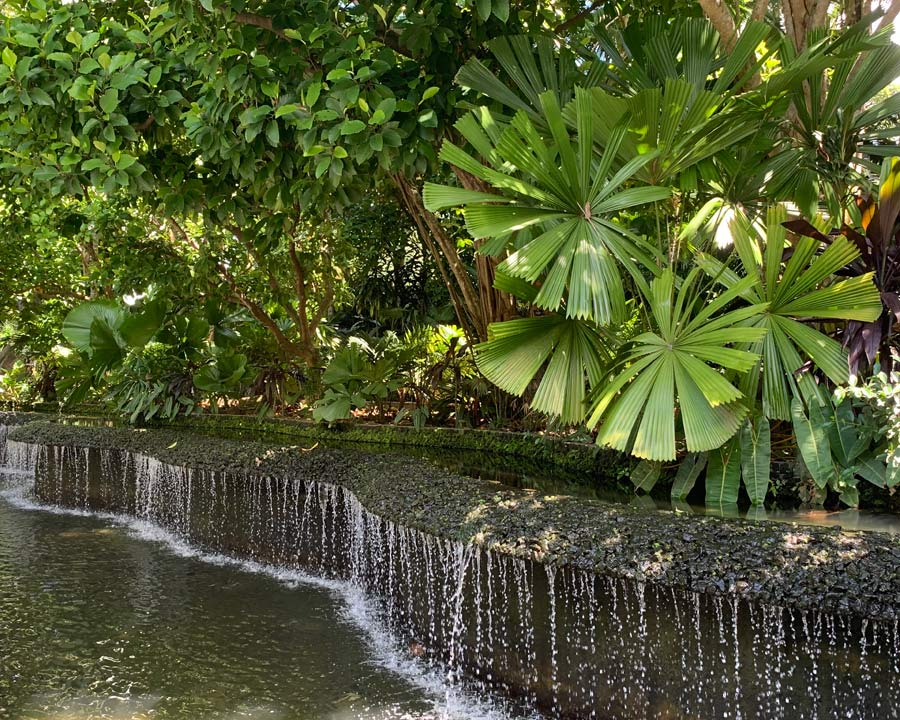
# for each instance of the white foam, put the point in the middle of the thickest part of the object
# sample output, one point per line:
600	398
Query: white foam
450	701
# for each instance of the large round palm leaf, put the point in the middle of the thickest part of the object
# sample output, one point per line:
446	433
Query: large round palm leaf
675	373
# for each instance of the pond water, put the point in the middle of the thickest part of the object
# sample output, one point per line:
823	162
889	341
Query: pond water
106	619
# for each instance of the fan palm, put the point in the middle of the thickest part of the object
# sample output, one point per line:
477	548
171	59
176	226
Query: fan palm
569	198
518	349
674	372
796	284
835	126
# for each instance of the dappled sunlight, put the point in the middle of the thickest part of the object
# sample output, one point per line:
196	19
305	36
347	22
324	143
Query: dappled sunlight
58	706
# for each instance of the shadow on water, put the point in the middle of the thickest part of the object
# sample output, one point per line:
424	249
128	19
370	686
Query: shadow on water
548	479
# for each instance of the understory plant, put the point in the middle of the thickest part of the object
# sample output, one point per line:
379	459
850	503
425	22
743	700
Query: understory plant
148	363
597	205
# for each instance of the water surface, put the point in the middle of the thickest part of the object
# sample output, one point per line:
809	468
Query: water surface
96	623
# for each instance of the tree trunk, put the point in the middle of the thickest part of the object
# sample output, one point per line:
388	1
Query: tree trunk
476	305
443	251
496	304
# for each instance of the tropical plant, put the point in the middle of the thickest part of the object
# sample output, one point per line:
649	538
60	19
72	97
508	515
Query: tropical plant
796	281
836	125
357	375
671	372
877	240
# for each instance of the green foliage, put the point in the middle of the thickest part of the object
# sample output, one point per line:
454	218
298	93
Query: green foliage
357	375
559	188
230	169
15	384
671	371
797	286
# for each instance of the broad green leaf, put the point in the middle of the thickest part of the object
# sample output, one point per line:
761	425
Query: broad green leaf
756	458
77	325
873	469
351	127
109	101
9	58
139	328
723	475
106	348
812	440
645	475
686	477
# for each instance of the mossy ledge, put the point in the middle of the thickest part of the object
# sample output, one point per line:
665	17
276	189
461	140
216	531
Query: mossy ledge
824	569
20	418
581	457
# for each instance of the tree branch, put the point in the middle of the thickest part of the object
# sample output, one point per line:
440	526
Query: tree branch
889	15
259	21
575	19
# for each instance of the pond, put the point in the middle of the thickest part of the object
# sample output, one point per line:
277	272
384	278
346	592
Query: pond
110	620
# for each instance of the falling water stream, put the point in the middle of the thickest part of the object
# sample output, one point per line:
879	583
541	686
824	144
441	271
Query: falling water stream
556	639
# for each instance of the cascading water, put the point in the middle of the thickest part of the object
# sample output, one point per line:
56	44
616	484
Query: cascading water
557	638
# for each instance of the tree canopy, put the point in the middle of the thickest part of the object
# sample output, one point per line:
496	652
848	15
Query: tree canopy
671	223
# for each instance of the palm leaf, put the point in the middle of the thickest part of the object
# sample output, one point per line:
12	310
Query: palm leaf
555	184
645	475
672	374
517	350
798	291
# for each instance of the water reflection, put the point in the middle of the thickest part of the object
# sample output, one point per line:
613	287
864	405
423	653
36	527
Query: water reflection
543	477
97	625
848	519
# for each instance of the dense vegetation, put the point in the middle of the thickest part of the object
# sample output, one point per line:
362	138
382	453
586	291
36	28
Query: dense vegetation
671	225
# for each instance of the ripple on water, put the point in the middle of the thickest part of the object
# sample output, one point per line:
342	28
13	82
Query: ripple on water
97	623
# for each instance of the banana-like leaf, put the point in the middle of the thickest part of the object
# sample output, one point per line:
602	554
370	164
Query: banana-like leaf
873	470
812	440
756	458
850	496
673	373
686	477
844	437
557	187
518	349
645	476
797	291
723	475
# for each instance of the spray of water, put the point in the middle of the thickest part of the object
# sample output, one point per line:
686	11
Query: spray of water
463	623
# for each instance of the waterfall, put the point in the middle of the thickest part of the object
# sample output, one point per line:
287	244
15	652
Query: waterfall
556	638
18	456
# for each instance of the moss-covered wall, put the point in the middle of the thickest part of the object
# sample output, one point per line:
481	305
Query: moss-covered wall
578	457
804	567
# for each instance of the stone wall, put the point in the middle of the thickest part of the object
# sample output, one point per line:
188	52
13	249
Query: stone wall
578	608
